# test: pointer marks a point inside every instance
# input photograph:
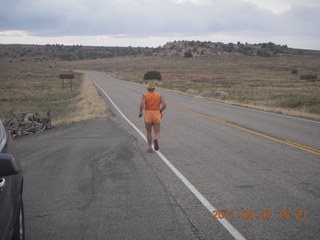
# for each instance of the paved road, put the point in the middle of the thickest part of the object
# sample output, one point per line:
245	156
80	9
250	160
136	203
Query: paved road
94	180
91	181
242	161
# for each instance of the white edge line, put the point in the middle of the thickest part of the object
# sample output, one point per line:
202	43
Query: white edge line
234	232
3	134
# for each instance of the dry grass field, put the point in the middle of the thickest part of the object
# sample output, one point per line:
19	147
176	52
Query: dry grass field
264	83
28	86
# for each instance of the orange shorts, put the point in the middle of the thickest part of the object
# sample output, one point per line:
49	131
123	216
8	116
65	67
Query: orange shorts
152	116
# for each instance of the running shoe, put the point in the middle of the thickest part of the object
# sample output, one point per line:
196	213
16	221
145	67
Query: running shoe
156	145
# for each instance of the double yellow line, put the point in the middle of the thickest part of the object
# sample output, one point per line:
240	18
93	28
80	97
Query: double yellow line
287	142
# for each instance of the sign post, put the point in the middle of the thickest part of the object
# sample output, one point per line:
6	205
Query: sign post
66	76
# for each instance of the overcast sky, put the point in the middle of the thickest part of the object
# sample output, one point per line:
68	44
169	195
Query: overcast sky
154	22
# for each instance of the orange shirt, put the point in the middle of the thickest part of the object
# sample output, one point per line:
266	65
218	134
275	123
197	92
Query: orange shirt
153	101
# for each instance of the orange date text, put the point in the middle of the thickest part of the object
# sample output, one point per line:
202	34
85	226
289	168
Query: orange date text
260	214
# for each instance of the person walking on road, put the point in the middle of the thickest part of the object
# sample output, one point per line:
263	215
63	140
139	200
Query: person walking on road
151	103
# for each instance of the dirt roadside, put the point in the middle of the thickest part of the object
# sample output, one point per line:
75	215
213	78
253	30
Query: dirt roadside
88	104
28	88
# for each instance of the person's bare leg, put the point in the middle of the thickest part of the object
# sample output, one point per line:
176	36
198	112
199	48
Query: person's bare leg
156	129
149	133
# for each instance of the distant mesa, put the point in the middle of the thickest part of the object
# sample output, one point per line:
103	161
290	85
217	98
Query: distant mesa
186	49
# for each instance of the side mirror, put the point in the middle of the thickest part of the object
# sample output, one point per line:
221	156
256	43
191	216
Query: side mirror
8	165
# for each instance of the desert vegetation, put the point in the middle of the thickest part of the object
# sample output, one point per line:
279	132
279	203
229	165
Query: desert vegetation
40	53
187	49
35	87
250	81
152	75
261	76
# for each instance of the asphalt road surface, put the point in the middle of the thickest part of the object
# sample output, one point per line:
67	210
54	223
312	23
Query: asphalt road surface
256	173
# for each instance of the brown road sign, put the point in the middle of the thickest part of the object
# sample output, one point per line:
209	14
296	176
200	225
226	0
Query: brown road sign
66	76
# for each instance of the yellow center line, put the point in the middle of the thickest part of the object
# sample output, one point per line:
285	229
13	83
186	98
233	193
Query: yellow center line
298	144
287	142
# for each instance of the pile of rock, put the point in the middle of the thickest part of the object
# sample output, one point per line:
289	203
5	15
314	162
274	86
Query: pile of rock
28	123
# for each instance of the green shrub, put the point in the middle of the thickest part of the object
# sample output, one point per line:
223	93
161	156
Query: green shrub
152	75
188	54
300	102
263	54
309	77
315	109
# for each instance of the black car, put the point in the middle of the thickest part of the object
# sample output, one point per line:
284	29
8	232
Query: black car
11	184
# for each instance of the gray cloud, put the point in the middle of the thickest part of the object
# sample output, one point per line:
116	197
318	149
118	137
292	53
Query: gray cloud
301	20
152	17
